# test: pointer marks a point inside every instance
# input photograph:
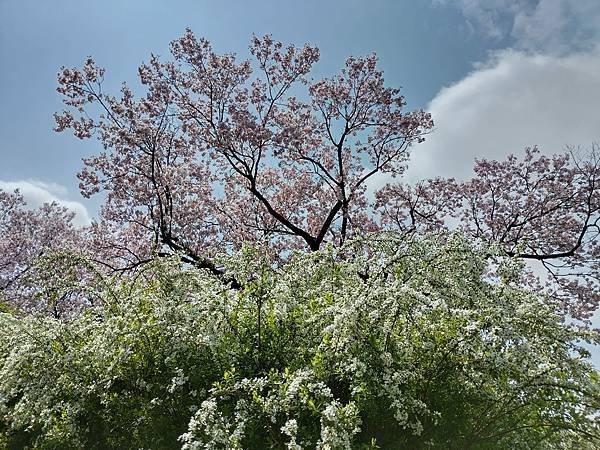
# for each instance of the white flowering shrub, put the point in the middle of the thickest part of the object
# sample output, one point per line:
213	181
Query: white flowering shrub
237	408
389	343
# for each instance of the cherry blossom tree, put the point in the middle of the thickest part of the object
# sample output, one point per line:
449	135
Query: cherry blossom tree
291	169
541	208
219	152
25	235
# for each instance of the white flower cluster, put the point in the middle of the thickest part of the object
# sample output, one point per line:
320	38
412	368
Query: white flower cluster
272	400
420	350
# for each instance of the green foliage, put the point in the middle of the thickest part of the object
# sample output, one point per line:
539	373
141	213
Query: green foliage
424	352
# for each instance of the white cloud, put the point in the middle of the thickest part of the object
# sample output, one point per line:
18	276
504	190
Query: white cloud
492	18
543	27
548	26
515	100
37	193
558	26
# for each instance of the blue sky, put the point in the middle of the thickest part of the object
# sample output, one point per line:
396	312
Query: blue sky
497	75
422	45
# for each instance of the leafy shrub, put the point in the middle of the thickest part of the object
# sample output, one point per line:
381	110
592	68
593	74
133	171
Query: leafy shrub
384	343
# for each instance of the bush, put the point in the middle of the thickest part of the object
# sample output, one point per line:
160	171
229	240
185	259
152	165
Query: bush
390	344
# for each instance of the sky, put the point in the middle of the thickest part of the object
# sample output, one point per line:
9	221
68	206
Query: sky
497	75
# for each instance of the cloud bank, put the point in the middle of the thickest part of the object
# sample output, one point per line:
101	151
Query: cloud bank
513	101
36	193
